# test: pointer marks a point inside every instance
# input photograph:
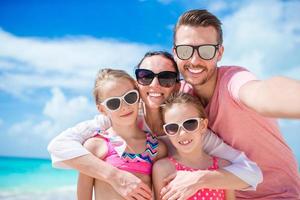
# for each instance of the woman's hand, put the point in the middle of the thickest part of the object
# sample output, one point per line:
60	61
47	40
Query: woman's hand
130	187
180	185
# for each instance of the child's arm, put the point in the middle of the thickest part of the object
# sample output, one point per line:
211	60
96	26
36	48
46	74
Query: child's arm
85	187
98	147
161	169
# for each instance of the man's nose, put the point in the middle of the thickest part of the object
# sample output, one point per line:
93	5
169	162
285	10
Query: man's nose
195	59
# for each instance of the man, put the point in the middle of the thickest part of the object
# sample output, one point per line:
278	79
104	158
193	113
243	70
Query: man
237	105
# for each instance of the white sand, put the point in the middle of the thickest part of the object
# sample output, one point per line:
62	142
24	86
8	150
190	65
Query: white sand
66	193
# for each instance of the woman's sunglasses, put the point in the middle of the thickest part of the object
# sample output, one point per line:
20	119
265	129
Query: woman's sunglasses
165	78
114	103
188	125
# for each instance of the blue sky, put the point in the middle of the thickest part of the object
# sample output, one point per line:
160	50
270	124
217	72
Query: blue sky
50	52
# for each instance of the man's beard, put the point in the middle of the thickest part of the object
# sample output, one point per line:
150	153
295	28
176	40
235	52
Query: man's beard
192	82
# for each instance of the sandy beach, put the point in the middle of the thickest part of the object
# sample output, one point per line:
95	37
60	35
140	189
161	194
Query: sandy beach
66	193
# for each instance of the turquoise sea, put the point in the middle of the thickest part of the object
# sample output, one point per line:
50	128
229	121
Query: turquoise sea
30	179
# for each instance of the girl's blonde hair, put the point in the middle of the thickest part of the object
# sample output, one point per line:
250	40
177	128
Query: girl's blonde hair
109	74
184	98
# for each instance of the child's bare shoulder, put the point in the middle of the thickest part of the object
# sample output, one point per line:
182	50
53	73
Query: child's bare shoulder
163	166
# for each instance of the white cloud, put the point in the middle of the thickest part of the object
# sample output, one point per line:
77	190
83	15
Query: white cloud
264	37
217	6
59	113
63	111
7	64
69	63
24	84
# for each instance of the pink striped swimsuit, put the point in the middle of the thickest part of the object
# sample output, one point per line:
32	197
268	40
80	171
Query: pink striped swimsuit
205	193
131	162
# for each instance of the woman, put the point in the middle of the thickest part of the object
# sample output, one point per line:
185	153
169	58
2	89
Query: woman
155	84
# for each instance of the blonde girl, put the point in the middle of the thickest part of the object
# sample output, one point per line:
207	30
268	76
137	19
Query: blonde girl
124	145
185	123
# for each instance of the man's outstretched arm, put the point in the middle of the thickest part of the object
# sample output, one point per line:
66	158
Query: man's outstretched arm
277	97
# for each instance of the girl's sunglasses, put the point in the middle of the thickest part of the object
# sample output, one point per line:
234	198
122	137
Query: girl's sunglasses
165	78
114	103
188	125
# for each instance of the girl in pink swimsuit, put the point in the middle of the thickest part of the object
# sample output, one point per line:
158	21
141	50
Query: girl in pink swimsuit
185	123
124	145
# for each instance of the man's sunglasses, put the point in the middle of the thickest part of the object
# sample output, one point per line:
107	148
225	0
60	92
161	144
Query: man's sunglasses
205	51
114	103
188	125
165	78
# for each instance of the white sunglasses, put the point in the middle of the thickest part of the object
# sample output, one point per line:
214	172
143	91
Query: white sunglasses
114	103
189	125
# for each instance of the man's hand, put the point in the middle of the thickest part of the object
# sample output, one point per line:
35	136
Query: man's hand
130	187
180	185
